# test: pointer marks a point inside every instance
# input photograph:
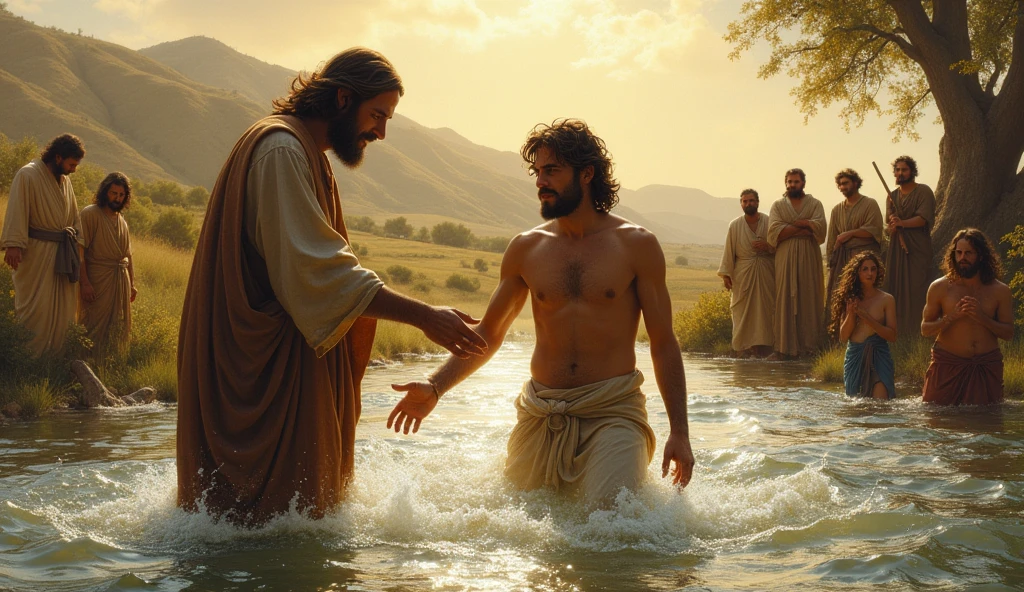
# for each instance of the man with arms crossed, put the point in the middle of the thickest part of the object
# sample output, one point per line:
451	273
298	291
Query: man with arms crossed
582	423
967	311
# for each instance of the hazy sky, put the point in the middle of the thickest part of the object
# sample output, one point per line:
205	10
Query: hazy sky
651	77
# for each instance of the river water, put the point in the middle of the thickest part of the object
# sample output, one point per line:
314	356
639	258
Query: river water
796	487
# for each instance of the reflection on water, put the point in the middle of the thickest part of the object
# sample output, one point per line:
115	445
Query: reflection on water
796	487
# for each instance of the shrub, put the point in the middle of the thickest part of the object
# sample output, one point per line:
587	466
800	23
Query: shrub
1015	269
13	156
493	244
85	181
177	227
451	234
140	218
829	365
682	261
400	274
421	287
197	196
423	235
35	398
362	224
360	250
398	227
457	281
165	193
480	265
707	326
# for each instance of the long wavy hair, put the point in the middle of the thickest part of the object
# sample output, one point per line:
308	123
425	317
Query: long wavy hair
849	286
364	72
109	181
572	143
991	265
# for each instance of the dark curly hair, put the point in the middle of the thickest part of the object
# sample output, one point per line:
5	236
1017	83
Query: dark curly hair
849	287
910	162
852	176
991	265
573	144
109	181
364	72
750	192
803	177
64	146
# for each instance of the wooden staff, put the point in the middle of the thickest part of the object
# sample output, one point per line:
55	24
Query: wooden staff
892	204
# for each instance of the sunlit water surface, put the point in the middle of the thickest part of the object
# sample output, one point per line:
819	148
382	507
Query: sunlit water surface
795	488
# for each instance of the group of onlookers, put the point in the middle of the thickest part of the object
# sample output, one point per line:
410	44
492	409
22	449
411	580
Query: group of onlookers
773	266
69	266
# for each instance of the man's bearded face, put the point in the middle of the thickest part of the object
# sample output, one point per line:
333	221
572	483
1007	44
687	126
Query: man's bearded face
347	142
901	171
794	187
968	269
750	210
565	203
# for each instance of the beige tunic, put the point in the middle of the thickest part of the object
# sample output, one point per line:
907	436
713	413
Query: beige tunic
753	284
314	273
863	215
108	318
46	303
799	277
591	439
909	273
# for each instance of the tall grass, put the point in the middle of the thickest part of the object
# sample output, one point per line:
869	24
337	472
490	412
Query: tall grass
829	365
395	339
707	325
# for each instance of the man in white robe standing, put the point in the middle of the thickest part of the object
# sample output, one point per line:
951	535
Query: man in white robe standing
748	270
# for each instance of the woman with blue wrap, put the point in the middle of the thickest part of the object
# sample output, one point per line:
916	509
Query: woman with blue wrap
865	317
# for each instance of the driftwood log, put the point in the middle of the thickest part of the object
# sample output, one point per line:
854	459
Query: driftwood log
94	394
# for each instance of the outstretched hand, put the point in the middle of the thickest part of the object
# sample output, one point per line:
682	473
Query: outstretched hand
418	402
677	448
450	328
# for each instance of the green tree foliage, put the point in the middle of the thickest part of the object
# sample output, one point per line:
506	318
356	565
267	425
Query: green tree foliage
966	58
177	227
493	244
423	235
400	274
140	217
398	227
451	234
1015	265
197	196
457	281
13	156
362	224
682	261
480	265
165	193
86	181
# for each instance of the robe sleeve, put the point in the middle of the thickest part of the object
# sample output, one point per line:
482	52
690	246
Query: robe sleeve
729	256
313	271
818	222
873	220
88	230
76	222
833	230
15	233
775	224
926	207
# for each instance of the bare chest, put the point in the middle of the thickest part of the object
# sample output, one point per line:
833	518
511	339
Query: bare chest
987	302
593	273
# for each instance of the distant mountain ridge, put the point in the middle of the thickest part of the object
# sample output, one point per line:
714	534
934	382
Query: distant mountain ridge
174	110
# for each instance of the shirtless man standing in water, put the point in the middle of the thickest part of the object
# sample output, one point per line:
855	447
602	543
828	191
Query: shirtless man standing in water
582	422
967	311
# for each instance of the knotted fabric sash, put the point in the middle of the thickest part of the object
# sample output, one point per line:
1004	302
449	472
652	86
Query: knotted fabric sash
952	380
67	261
542	449
121	263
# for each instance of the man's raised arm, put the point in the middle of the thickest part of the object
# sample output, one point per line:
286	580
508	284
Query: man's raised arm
656	305
506	302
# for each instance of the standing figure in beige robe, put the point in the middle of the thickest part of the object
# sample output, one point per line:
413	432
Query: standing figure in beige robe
854	227
909	215
279	316
796	228
108	277
748	270
40	236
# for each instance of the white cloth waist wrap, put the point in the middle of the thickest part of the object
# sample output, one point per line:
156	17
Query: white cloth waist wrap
542	449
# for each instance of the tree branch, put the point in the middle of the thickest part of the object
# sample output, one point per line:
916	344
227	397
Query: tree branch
907	47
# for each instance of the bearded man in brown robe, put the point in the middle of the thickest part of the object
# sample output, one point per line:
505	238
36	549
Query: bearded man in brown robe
909	215
279	315
854	227
796	229
40	236
108	276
